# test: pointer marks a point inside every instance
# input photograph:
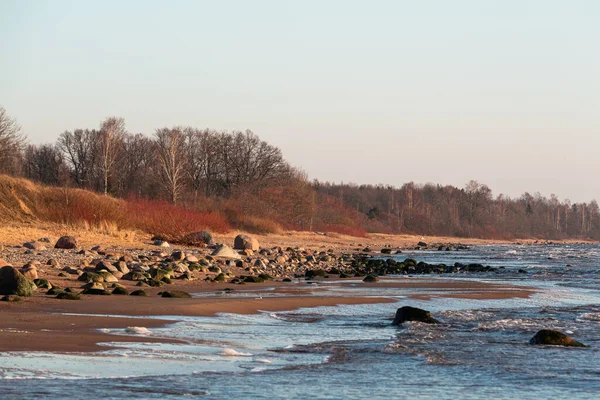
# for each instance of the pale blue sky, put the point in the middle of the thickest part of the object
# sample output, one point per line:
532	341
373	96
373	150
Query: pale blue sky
506	92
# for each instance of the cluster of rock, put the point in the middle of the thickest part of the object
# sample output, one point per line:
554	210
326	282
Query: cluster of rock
545	337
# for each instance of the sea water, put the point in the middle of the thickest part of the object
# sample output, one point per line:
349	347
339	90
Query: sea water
479	350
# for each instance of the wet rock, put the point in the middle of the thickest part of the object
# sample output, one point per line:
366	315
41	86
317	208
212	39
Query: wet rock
14	282
554	338
42	284
179	294
243	242
68	296
11	298
422	244
66	242
370	278
120	290
408	313
139	292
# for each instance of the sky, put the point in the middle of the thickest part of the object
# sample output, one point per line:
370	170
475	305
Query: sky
505	92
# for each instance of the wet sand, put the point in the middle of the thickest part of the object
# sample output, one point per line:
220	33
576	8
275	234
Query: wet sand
40	323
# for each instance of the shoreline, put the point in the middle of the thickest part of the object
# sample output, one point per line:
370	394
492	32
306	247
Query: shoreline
49	325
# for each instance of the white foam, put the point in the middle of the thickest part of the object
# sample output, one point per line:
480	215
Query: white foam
263	360
137	330
227	352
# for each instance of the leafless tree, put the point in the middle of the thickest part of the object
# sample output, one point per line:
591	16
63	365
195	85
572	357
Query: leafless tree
110	144
44	164
12	143
171	154
79	148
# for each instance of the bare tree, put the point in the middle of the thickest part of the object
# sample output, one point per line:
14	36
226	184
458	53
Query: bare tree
79	148
110	144
12	143
171	154
44	164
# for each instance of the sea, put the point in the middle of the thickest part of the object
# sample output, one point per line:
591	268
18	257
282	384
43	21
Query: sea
480	349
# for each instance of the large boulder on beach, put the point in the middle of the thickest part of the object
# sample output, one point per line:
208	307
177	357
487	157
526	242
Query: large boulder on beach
224	251
408	313
554	338
199	238
14	282
245	242
66	242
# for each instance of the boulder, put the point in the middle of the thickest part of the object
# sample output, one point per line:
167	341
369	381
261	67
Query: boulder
178	256
30	272
370	278
243	242
554	338
139	292
34	246
68	296
224	251
66	242
11	298
422	244
161	243
176	294
408	313
14	282
202	238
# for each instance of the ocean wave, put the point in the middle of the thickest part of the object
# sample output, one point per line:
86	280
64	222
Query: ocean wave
228	352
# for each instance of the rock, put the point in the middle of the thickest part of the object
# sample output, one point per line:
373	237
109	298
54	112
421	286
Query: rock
53	262
45	240
224	251
554	338
178	256
179	294
161	243
422	244
191	259
68	296
243	242
202	237
14	282
11	298
30	272
408	313
370	278
386	251
120	290
139	292
34	246
42	284
66	242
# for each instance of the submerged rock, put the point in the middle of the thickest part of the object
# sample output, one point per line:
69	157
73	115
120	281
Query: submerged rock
408	313
554	338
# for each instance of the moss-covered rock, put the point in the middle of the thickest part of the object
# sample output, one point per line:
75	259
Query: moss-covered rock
120	290
139	292
252	279
219	278
370	278
89	276
42	283
11	298
178	294
68	296
14	282
54	290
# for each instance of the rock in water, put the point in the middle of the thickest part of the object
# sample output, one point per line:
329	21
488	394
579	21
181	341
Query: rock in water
14	282
225	251
554	338
408	313
66	242
245	242
178	294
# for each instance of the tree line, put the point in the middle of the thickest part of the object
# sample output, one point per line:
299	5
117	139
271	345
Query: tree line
240	175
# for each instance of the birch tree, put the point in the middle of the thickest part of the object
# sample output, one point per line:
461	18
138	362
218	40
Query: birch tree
171	155
110	145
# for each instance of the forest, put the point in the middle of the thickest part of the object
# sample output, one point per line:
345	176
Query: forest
248	182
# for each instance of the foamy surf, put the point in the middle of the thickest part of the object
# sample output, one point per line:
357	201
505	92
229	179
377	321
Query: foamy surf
228	352
138	330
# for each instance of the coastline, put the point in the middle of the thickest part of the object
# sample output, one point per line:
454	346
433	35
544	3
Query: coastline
51	325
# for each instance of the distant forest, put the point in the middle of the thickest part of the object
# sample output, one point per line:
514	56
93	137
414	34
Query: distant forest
249	182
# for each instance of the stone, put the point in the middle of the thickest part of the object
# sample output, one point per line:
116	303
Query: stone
408	313
11	298
554	338
178	256
224	251
66	242
68	296
42	284
14	282
139	292
243	242
34	246
370	278
120	290
161	243
422	244
202	238
54	263
179	294
30	272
